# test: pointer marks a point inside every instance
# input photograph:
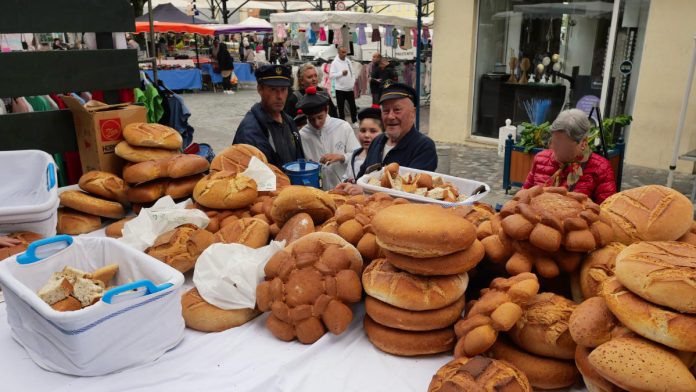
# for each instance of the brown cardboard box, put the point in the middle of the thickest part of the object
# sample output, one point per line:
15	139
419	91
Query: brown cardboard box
99	127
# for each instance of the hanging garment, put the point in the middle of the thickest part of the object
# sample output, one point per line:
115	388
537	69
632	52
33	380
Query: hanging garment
38	104
314	27
79	98
51	102
375	33
428	75
426	33
152	101
312	37
395	38
178	118
345	36
408	74
408	41
322	34
86	96
402	40
58	101
388	35
337	37
326	81
414	34
302	37
362	39
279	33
18	106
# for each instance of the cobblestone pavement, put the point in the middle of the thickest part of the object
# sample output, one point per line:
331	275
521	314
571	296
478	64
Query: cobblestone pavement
215	117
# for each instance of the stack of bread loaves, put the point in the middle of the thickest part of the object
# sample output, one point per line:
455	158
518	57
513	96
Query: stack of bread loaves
104	196
147	142
174	176
416	294
638	333
548	229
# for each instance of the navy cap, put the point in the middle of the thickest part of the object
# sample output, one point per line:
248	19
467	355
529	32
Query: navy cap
313	101
371	112
395	90
274	75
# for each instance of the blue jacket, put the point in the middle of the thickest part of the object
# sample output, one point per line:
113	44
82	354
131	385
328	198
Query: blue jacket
414	150
255	129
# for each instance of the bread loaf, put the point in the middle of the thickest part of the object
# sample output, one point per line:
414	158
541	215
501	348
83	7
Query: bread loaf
295	199
152	135
452	264
409	320
594	382
74	222
141	154
152	191
180	248
690	236
598	267
479	374
177	166
25	238
115	230
295	228
203	316
235	158
68	304
103	184
592	323
408	343
89	204
251	232
225	190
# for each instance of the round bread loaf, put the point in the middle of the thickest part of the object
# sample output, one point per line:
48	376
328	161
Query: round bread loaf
297	227
141	154
235	158
597	267
543	373
543	327
203	316
452	264
663	273
409	320
25	238
592	323
225	190
180	248
408	343
690	236
89	204
479	374
295	199
103	184
173	167
422	230
594	382
476	213
75	222
384	282
649	213
152	135
636	364
251	232
115	230
182	188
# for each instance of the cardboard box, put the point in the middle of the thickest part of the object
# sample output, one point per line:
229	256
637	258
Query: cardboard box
99	128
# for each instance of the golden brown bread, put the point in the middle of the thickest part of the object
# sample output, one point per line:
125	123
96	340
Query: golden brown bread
68	304
452	264
663	273
75	222
180	248
479	374
649	213
235	158
178	166
104	274
152	135
25	238
103	184
594	382
203	316
690	236
409	320
251	232
384	282
476	213
597	267
636	364
297	227
141	154
295	199
408	343
225	190
89	204
422	230
592	323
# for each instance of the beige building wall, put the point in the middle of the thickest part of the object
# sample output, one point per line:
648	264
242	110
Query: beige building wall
454	52
669	42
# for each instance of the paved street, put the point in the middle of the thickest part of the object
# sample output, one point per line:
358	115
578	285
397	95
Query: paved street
215	117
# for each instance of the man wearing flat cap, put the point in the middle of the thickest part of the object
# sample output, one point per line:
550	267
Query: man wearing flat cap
325	139
266	126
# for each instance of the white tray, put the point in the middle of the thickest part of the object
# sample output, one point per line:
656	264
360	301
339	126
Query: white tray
465	187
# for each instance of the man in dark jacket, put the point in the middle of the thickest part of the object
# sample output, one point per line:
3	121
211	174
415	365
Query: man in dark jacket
225	64
266	126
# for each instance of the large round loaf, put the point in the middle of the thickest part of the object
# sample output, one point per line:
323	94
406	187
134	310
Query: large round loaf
422	230
75	222
409	320
594	382
660	272
174	167
592	323
295	199
251	232
649	213
89	204
203	316
295	228
180	248
452	264
225	190
152	135
141	154
115	230
103	184
235	158
408	343
479	374
597	267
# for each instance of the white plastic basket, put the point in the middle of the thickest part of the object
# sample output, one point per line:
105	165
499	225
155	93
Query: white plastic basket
134	323
465	187
29	192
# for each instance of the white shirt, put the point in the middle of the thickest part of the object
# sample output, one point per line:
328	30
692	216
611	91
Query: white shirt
343	82
336	137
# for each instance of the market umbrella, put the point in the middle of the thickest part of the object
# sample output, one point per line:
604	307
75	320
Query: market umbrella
169	27
169	13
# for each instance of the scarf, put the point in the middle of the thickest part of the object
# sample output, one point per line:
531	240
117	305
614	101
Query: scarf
574	173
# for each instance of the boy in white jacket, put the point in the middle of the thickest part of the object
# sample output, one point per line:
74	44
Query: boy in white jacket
327	140
344	77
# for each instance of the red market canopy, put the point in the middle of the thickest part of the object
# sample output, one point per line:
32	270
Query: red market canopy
170	27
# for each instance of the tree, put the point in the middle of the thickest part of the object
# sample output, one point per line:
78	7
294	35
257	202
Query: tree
138	6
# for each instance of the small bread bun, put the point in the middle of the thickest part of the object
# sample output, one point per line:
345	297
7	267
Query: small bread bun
202	316
479	374
408	343
295	228
409	320
75	222
103	184
452	264
89	204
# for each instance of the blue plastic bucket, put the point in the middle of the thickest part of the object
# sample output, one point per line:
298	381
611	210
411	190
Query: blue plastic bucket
303	173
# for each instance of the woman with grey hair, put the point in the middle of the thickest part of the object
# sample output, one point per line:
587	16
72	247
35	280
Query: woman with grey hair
570	163
307	76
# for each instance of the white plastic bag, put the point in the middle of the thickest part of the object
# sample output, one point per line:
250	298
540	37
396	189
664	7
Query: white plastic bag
226	275
262	174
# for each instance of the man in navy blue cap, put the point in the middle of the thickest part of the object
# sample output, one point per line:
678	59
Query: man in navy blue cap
266	126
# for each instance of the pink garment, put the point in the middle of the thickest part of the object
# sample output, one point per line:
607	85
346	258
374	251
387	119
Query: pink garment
322	34
326	81
338	37
280	33
415	37
18	106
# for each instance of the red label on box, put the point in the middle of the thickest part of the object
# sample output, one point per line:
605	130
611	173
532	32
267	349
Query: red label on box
110	129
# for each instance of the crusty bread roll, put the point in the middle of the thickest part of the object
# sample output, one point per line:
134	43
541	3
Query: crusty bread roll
542	372
89	204
409	320
295	228
178	166
384	282
152	191
651	321
25	238
592	323
75	222
152	135
141	154
103	184
663	273
295	199
225	190
203	316
368	248
543	327
636	364
594	382
479	374
408	343
68	304
597	267
422	230
649	213
476	213
452	264
180	248
690	236
182	188
251	232
235	158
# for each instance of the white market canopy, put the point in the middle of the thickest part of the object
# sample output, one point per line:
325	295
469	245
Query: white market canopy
341	17
290	5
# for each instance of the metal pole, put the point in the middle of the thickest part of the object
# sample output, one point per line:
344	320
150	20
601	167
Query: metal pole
609	59
198	60
419	25
152	41
365	6
682	117
224	11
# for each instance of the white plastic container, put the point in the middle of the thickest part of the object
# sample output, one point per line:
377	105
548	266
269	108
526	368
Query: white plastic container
134	323
29	192
465	187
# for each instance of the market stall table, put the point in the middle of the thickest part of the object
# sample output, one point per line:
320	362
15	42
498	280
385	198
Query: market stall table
180	79
243	72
